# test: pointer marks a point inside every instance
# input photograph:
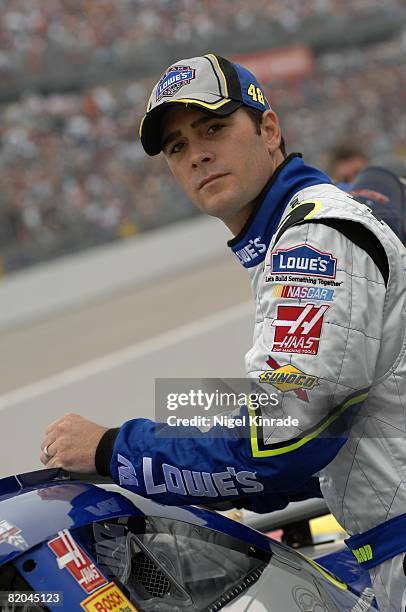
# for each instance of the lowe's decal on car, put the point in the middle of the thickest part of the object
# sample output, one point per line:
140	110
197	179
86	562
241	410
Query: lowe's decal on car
175	78
70	555
294	292
298	329
288	378
303	259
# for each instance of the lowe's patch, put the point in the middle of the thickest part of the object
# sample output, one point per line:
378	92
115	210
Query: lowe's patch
303	259
199	484
288	378
175	78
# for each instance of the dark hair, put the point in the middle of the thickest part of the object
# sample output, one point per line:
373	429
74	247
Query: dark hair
345	150
256	116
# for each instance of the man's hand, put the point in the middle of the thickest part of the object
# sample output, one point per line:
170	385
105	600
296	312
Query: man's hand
70	443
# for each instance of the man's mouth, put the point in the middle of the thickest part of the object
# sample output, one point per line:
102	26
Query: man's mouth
210	179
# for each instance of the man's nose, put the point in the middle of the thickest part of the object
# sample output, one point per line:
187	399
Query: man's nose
200	156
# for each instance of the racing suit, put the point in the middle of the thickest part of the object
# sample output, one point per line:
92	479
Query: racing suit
328	279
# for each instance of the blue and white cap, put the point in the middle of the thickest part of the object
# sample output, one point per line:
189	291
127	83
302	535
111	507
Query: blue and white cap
210	82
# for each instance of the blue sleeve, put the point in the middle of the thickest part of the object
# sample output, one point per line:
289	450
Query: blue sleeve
200	468
326	343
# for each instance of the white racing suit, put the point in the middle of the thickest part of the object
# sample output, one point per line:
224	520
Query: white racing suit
329	283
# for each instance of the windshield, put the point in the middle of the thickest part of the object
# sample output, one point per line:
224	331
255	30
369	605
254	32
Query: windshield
166	565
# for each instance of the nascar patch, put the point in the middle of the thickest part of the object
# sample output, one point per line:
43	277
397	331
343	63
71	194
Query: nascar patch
71	556
288	378
298	328
295	292
108	599
173	80
303	259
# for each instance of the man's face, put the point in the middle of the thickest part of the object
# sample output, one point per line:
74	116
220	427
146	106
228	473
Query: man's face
347	170
221	163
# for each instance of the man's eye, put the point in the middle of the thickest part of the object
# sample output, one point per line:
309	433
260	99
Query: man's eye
176	148
215	127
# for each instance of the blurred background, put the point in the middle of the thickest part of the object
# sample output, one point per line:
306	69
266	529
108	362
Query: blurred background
75	76
108	274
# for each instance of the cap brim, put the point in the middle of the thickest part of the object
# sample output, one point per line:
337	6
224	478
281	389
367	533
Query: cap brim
151	125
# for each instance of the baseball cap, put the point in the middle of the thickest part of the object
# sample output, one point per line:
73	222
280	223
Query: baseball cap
382	191
210	82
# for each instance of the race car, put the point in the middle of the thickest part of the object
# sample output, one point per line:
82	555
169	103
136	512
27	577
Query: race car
69	544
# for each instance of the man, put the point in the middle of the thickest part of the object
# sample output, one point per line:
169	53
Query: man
345	161
382	191
329	283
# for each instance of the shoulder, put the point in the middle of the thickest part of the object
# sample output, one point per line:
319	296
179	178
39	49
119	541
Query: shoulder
334	212
321	202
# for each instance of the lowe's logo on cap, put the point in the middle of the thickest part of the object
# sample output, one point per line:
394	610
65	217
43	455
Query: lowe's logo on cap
303	259
173	80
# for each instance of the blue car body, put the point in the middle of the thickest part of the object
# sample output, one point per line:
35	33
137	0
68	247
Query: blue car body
48	522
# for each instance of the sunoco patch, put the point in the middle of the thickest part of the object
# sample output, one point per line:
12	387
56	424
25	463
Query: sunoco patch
288	378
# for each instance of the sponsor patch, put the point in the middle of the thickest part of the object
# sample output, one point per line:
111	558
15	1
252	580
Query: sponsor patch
251	250
303	259
11	535
288	378
199	484
108	599
173	80
126	472
70	555
298	328
295	292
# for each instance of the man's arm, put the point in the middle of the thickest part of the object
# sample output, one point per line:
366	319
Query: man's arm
81	446
328	343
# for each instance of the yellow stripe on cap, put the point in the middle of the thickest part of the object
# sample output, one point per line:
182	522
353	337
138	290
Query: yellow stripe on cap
213	106
214	58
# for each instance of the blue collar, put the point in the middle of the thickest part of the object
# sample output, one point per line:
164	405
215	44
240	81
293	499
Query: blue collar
251	244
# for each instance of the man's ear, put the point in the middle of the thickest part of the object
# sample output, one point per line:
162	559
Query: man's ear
271	130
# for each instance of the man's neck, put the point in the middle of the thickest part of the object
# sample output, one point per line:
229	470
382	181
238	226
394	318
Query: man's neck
237	222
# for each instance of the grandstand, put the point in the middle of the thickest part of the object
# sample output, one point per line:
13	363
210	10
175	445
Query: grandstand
72	172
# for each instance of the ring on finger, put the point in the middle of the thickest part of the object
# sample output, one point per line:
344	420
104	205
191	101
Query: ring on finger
47	455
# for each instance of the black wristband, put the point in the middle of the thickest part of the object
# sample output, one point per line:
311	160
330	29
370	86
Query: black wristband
104	451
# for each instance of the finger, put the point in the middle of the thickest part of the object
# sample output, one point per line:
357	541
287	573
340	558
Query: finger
54	424
47	442
55	462
43	458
